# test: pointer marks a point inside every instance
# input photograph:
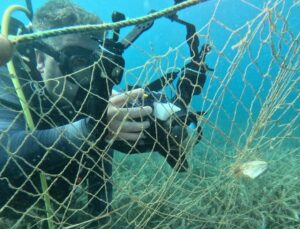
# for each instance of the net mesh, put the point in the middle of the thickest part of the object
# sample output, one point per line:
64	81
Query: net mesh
251	104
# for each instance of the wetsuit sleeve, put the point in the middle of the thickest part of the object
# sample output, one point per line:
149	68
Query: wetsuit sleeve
21	151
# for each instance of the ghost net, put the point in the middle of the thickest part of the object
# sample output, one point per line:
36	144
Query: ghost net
235	162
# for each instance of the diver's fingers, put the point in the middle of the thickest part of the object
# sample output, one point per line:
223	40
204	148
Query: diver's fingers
130	136
129	127
121	99
134	112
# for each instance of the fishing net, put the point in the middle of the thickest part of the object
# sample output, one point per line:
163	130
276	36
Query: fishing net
241	165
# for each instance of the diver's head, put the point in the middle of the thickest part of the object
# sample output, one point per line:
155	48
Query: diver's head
75	50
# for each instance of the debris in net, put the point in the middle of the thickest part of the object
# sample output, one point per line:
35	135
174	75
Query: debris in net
251	169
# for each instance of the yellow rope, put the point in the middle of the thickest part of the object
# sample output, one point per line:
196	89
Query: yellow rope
11	68
105	26
25	106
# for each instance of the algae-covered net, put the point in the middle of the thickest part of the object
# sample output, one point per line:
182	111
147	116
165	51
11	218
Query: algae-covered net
223	146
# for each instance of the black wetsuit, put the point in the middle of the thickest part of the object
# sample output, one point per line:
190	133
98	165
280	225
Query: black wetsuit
58	149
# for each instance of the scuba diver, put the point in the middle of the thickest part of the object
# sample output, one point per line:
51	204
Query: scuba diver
67	81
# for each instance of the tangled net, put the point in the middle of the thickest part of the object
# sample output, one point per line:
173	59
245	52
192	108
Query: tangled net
251	104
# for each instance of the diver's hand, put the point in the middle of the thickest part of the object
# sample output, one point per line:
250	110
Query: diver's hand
120	119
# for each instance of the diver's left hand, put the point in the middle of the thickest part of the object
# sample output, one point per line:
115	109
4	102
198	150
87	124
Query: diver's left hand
120	119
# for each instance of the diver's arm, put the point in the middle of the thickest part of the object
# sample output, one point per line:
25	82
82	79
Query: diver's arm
50	150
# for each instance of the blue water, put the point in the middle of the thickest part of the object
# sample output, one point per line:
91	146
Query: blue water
242	90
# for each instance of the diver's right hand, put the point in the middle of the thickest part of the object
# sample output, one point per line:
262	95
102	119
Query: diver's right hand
121	119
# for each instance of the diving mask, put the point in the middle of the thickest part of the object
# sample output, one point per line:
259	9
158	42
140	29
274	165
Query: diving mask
75	58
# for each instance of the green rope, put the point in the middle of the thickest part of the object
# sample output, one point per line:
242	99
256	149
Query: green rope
105	26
